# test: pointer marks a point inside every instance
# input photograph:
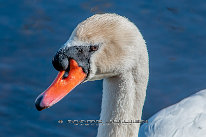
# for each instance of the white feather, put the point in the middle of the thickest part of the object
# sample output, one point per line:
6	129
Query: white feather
184	119
122	61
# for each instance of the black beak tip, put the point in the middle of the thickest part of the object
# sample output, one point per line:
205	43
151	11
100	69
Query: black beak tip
38	102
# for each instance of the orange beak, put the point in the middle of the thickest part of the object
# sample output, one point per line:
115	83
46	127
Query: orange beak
61	86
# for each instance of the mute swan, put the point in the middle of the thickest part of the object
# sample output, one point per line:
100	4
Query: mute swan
109	47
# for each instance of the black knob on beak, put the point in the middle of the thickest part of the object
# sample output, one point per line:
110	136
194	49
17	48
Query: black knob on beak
60	61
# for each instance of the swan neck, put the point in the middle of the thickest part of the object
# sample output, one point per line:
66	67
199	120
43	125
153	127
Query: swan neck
123	99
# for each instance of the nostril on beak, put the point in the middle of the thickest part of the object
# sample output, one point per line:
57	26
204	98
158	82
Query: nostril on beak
38	102
66	74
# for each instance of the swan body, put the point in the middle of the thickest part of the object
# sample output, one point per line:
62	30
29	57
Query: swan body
110	47
184	119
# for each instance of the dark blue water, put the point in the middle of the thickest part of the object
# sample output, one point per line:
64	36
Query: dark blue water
31	31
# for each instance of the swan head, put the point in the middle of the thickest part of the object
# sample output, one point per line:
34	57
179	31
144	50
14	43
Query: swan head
102	46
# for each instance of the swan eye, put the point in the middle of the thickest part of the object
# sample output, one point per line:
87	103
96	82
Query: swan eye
93	48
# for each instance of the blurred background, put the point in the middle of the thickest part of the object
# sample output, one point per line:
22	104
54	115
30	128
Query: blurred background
31	31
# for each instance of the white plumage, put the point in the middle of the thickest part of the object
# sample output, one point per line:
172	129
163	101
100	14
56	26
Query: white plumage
184	119
122	61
